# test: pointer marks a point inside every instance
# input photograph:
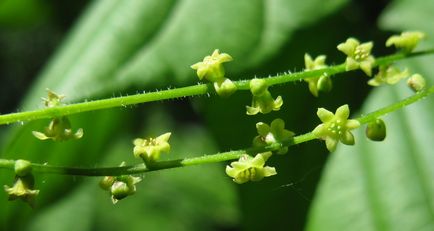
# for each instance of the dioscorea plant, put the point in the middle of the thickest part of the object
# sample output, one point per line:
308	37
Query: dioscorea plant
250	163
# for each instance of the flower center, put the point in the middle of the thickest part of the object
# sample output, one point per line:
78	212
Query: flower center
336	128
360	53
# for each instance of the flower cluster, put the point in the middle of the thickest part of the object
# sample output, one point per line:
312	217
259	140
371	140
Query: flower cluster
59	128
211	69
271	134
358	55
150	149
335	127
318	83
262	100
249	168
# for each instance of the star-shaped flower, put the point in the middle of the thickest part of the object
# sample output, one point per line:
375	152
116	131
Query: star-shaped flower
248	168
23	189
211	67
388	75
262	100
358	55
319	83
151	149
407	41
275	133
335	127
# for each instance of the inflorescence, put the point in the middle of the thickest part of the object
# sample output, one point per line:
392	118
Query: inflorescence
335	127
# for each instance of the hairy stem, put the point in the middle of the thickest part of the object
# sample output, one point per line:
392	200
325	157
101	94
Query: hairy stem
206	159
199	89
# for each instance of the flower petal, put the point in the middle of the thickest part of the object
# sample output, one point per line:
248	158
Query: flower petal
331	144
343	112
324	115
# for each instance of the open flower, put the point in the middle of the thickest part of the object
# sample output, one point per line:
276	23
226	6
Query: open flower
59	129
335	127
262	100
23	189
407	41
151	149
248	168
275	133
358	55
211	67
388	75
319	83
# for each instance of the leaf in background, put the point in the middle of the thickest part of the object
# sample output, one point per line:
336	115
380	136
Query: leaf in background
387	185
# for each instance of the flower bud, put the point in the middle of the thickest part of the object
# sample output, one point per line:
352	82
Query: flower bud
22	167
376	130
416	82
324	84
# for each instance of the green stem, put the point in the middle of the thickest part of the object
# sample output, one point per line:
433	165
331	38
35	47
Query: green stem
199	89
206	159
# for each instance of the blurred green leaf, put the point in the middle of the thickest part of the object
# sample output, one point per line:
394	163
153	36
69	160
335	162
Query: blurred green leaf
387	185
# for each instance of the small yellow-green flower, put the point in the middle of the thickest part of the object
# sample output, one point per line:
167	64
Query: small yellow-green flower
211	68
319	83
53	99
273	133
151	149
262	100
23	189
407	41
335	127
358	55
388	75
248	168
59	129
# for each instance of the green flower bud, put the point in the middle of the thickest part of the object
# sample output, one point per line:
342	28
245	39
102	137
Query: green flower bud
325	83
22	167
248	168
416	82
107	182
376	130
225	87
335	127
120	190
258	87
